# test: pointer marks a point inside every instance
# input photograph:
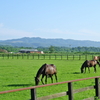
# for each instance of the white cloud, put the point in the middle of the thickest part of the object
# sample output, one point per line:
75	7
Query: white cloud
89	32
54	31
84	34
6	33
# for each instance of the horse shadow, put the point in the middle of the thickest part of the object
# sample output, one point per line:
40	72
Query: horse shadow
76	72
18	85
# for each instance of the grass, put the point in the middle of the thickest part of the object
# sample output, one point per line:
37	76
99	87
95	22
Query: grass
20	73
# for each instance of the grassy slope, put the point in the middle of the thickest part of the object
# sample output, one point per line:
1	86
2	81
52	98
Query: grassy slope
19	73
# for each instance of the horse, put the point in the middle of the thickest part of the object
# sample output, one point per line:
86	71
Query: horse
47	70
96	58
88	64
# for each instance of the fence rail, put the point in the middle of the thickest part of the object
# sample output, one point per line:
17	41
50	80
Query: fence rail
43	56
69	93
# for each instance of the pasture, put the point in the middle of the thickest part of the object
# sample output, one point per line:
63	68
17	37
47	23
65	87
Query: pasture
20	73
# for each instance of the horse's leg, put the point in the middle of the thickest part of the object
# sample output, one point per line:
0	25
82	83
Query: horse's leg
42	78
46	79
56	77
85	69
95	68
89	69
51	78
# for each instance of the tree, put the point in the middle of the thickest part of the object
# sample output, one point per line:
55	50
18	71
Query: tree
51	49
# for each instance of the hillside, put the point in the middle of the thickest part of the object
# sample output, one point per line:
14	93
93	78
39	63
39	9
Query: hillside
37	42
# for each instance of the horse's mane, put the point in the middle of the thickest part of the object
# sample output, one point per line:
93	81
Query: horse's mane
84	64
40	71
52	64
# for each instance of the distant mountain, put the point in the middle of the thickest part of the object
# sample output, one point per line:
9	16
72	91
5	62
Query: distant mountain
37	42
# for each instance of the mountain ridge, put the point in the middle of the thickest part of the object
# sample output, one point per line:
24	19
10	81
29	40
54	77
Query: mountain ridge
43	42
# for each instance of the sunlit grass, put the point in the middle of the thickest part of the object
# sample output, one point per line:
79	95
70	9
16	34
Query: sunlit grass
20	73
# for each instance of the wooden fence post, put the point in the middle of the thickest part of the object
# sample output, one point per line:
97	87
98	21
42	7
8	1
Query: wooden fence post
3	56
55	56
22	56
12	55
44	56
70	91
27	56
85	57
73	57
49	57
61	57
33	56
8	56
38	56
33	94
67	57
17	56
92	56
97	88
79	57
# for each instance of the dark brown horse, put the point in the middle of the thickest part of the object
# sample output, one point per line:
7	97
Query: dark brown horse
47	70
88	64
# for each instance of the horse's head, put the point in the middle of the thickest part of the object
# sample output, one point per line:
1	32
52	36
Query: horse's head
98	63
99	58
84	65
82	70
37	81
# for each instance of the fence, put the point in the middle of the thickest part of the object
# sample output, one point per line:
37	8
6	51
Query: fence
70	91
43	56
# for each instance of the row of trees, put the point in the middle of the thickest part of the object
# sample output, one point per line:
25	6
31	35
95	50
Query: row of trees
53	49
68	49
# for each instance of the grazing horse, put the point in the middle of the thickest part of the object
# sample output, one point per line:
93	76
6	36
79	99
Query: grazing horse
96	58
46	70
88	64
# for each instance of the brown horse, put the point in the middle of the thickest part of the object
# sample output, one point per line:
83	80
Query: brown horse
47	70
96	58
88	64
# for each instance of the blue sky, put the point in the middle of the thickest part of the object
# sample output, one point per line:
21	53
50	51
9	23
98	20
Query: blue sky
67	19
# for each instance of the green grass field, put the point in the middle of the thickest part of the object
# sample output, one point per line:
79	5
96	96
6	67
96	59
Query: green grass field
20	73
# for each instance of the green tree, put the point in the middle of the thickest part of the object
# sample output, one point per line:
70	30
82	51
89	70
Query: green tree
51	49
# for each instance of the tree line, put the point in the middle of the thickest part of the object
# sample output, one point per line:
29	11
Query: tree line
69	49
53	49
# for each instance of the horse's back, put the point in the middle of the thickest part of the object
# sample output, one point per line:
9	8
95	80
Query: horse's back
92	63
50	69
